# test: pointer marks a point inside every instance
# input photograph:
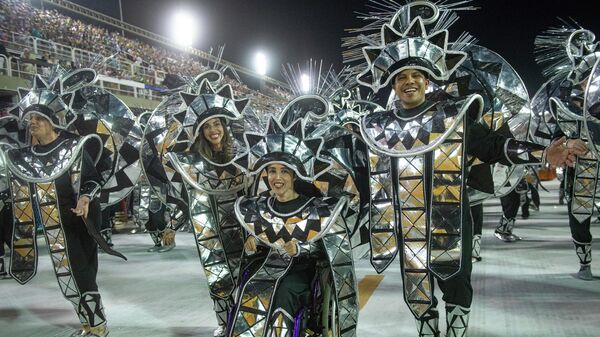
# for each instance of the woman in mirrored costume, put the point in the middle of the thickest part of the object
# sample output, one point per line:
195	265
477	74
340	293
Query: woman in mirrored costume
201	130
301	279
429	138
569	53
55	184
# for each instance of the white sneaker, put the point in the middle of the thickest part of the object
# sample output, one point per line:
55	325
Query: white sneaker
220	331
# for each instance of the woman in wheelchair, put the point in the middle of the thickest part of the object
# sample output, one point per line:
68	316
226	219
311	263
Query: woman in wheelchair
295	282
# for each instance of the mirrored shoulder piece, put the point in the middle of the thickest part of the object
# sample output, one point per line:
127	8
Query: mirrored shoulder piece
506	110
308	224
389	134
319	220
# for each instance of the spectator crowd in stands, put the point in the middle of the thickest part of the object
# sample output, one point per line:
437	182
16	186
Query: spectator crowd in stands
141	59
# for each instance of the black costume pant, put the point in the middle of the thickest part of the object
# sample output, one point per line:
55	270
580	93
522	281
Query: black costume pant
83	253
457	290
156	220
580	231
477	216
294	290
510	204
6	226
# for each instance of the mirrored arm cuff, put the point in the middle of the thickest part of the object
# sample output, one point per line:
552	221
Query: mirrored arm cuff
91	189
522	152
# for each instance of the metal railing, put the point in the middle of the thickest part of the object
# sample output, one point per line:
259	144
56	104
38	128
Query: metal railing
81	10
17	67
54	50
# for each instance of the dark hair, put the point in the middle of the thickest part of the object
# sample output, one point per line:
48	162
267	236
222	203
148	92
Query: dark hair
423	72
301	186
202	146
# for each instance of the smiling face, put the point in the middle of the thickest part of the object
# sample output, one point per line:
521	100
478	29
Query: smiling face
281	181
410	86
213	131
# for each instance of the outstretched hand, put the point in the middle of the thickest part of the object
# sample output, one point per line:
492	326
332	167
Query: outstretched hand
564	152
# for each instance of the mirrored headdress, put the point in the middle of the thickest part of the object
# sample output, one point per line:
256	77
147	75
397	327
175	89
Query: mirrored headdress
413	36
52	97
287	146
569	51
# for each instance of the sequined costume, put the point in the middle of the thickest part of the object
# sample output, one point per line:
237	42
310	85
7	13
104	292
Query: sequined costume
421	156
278	294
47	180
569	53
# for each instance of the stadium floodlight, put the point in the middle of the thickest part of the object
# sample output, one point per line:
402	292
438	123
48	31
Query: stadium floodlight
260	62
183	28
305	83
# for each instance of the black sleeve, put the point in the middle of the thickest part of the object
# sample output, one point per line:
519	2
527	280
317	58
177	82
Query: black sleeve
90	179
500	147
486	145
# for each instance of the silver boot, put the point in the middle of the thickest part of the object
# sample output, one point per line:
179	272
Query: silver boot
165	248
584	253
504	230
156	238
428	325
476	251
91	304
457	320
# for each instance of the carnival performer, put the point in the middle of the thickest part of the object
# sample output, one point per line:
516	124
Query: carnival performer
300	279
569	53
208	125
428	139
55	184
348	109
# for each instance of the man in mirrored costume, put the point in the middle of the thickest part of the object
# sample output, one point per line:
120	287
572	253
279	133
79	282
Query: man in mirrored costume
569	53
423	208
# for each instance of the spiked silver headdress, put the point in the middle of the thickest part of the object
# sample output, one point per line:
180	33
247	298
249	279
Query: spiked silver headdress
309	86
209	103
52	97
568	50
412	49
286	146
400	36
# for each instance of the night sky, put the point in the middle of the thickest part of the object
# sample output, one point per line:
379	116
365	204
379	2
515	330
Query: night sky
295	30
